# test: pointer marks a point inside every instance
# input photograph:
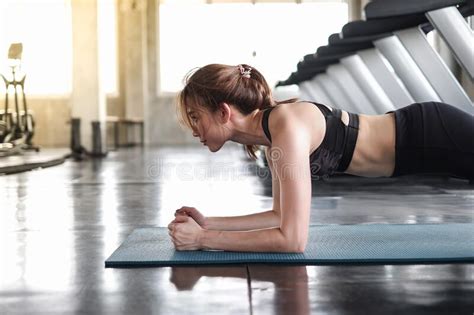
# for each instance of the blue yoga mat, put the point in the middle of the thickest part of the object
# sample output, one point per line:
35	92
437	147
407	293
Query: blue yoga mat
327	244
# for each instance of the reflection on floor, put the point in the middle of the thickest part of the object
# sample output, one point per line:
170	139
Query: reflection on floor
58	225
22	161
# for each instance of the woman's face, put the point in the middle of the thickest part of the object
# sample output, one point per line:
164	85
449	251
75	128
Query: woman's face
205	126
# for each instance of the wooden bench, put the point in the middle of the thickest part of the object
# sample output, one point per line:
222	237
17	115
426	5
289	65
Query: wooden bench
117	122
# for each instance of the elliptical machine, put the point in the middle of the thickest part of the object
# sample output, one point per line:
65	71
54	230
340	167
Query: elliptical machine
16	127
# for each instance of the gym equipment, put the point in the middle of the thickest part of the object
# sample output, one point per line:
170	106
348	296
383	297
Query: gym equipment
352	77
352	98
327	244
402	68
370	70
413	39
447	16
315	92
393	50
359	101
330	87
16	128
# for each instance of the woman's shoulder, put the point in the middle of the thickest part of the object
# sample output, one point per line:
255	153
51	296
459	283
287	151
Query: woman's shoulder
292	123
299	106
296	113
296	118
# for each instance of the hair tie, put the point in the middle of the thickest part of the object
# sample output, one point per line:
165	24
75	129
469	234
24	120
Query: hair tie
245	72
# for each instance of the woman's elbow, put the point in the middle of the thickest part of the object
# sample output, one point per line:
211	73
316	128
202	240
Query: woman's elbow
299	248
295	245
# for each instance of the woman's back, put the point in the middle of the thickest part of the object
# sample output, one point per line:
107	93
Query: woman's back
374	152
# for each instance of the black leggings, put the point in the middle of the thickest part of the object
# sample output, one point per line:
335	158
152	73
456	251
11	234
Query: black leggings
434	138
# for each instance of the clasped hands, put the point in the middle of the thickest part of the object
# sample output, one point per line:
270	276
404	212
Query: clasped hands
187	228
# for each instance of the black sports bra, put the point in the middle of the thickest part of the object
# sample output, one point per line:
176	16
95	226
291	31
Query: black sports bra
335	152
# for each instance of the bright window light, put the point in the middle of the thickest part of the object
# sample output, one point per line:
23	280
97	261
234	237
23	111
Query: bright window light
108	45
45	29
270	36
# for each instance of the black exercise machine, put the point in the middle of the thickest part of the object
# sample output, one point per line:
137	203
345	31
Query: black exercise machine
16	127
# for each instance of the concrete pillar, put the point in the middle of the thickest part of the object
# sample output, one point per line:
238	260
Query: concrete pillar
133	42
355	10
153	28
153	62
88	97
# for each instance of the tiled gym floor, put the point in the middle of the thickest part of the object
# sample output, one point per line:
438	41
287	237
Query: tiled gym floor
59	224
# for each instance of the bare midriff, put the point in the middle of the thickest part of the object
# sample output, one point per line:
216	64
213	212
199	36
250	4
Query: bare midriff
374	153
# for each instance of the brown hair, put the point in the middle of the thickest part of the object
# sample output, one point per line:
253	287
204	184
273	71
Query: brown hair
211	85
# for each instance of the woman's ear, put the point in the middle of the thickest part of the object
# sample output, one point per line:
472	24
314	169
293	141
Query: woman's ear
225	111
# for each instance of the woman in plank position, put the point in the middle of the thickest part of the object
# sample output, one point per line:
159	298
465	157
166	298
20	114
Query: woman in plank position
302	140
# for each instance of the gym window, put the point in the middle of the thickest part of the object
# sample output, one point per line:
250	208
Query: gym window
270	36
45	29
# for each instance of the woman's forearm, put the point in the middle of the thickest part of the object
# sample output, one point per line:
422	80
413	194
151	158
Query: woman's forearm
265	240
262	220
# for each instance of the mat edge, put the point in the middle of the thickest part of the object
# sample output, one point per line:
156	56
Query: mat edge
128	264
